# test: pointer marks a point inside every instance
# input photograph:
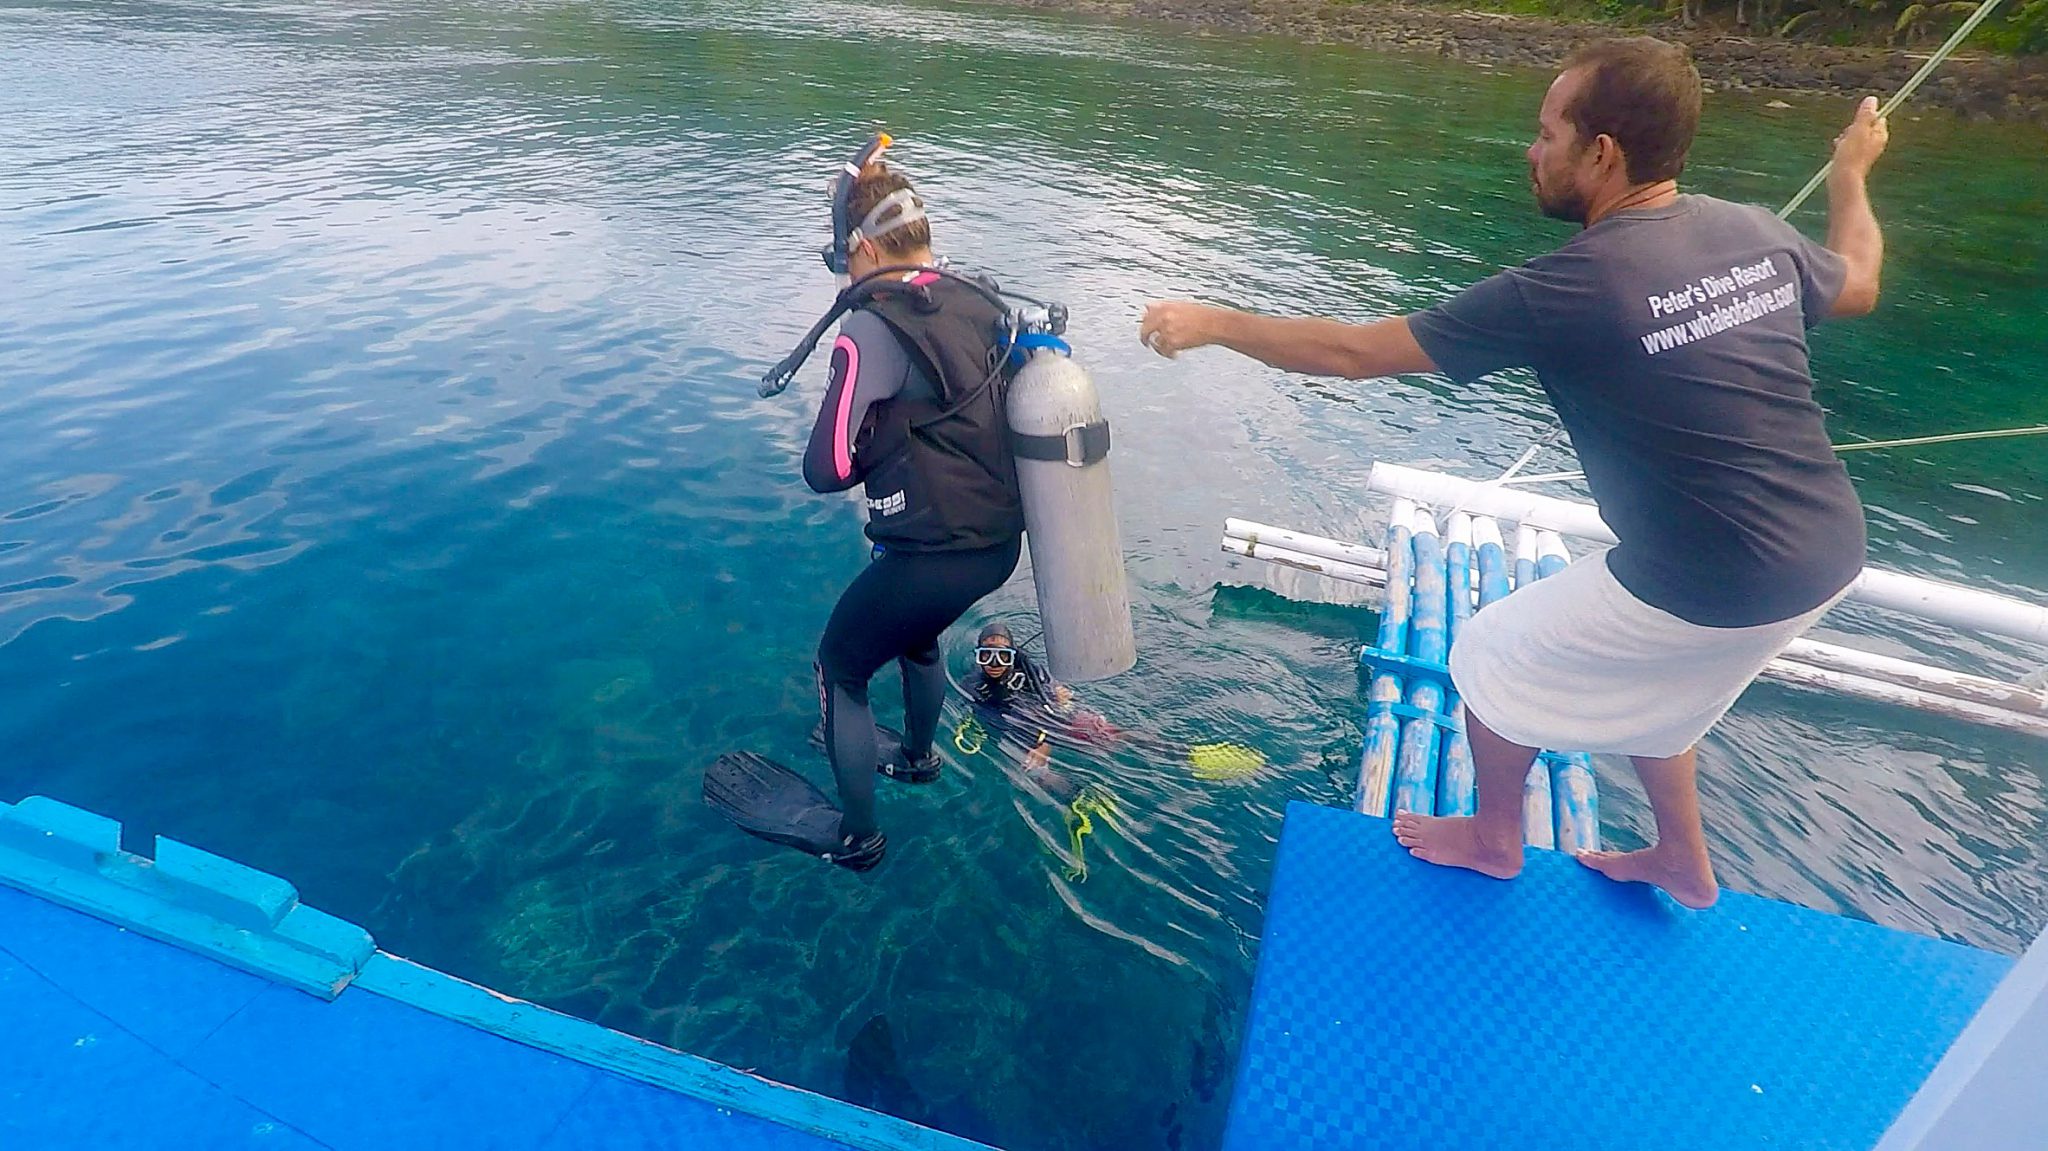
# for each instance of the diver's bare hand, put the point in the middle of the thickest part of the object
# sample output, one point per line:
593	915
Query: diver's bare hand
1862	142
1171	327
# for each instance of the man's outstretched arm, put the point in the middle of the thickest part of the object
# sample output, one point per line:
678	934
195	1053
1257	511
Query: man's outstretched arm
1309	345
1852	227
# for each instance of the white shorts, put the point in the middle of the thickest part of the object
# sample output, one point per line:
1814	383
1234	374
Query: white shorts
1576	663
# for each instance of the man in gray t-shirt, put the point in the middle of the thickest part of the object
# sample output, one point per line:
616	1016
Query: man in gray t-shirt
1671	341
1669	334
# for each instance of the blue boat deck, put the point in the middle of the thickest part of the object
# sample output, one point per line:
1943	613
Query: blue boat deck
1396	1005
1403	1005
201	1056
114	1039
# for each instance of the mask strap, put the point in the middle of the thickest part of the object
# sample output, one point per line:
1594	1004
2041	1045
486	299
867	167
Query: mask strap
904	201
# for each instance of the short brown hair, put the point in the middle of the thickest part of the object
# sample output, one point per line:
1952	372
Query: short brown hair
876	183
1643	92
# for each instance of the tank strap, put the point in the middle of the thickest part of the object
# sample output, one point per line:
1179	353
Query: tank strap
1080	445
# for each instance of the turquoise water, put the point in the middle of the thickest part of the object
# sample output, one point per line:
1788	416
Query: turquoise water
388	504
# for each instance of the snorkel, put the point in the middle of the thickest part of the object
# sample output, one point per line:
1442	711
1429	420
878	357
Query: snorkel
838	253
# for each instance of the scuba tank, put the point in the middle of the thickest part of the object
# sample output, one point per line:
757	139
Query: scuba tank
1061	443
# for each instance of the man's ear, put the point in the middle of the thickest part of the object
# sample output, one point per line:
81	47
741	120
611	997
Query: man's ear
1607	154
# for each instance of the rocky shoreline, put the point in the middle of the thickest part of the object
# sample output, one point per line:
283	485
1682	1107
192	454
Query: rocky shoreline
1973	85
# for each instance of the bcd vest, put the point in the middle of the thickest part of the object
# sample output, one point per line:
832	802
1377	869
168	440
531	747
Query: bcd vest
942	476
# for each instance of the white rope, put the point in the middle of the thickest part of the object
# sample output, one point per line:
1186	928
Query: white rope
1872	446
1545	478
1952	437
1983	12
1508	477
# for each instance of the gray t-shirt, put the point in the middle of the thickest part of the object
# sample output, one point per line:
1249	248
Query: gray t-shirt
1672	342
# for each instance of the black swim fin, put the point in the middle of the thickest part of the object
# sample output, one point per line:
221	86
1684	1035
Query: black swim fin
890	758
765	799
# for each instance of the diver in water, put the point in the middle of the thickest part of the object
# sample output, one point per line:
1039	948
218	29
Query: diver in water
1016	701
914	412
1012	691
1013	698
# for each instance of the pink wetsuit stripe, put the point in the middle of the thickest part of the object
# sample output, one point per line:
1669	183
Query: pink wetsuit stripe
842	436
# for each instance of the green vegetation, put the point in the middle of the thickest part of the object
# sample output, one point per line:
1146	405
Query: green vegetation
2020	27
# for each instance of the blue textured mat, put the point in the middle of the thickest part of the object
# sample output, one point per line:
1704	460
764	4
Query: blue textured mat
1403	1005
111	1039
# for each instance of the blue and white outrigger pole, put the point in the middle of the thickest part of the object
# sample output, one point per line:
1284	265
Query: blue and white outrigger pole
1807	663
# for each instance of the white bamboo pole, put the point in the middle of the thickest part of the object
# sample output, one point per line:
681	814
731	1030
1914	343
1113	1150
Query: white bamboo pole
1367	566
1302	561
1566	517
1458	529
1260	536
1952	604
1863	687
1524	567
1920	676
1486	530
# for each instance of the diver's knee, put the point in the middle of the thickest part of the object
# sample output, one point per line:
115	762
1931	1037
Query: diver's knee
839	684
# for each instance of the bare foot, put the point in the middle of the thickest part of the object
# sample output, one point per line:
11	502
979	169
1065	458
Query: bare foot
1687	878
1456	841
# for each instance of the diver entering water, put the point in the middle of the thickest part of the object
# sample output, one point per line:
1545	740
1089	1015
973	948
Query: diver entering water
914	412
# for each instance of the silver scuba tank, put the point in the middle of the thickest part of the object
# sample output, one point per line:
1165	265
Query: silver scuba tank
1061	443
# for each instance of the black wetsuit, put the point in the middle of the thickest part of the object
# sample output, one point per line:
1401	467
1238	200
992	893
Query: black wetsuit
942	508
